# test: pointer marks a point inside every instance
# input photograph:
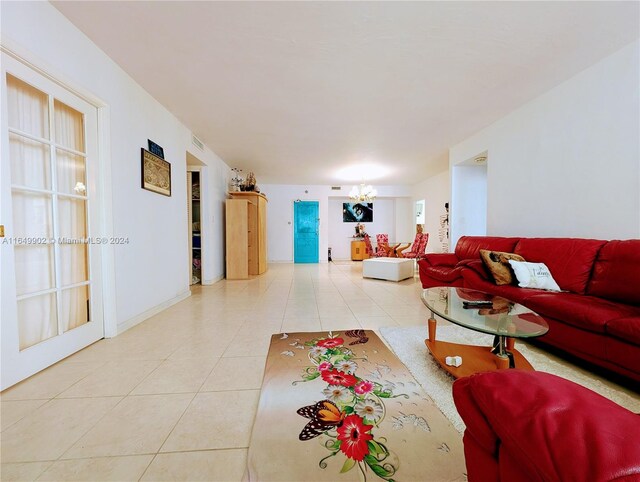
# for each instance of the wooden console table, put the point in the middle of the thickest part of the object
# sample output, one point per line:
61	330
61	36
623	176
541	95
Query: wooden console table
358	250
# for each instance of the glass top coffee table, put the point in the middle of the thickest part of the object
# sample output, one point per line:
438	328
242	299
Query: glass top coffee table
504	319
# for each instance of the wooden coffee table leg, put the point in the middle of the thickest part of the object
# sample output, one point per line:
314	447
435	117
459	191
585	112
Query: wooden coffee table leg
511	343
502	362
502	359
432	327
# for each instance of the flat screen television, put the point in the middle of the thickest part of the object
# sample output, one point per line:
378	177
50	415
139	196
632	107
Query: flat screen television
357	212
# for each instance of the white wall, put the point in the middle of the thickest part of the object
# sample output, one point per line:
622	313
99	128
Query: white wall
436	192
280	215
153	269
468	208
405	224
568	162
384	221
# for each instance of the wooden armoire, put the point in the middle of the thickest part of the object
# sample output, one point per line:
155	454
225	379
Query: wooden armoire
246	236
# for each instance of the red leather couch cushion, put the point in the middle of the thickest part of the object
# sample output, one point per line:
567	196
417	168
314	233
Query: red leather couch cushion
616	273
475	281
439	259
587	345
624	355
443	273
569	260
582	311
549	427
627	329
469	247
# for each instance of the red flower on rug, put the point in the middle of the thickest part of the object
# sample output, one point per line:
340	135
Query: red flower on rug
363	386
330	342
324	366
334	377
354	437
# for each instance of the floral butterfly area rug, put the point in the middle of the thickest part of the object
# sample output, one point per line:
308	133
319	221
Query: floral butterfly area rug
340	406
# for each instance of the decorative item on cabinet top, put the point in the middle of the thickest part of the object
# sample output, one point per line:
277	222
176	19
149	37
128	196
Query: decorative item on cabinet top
236	180
250	184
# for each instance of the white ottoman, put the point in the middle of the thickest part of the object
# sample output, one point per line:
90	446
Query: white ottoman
390	269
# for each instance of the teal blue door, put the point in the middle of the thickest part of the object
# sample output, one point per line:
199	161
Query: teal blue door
305	231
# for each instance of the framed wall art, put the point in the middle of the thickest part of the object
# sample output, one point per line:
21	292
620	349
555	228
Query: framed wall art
357	212
156	173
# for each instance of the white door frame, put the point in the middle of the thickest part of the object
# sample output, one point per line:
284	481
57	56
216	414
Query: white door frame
102	225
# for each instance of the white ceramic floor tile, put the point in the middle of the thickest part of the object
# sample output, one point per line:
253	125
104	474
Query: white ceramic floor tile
236	373
209	465
375	322
51	382
112	469
48	432
215	420
254	344
22	472
13	410
138	425
115	378
177	376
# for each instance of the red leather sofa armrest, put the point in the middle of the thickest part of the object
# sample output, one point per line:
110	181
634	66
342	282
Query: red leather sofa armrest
552	429
441	259
477	425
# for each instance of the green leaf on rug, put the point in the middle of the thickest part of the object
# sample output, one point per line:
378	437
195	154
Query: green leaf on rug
379	470
375	448
348	465
383	393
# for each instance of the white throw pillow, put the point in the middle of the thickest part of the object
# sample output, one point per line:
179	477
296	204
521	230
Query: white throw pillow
534	275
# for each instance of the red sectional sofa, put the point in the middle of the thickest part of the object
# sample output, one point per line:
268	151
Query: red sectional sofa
597	315
533	426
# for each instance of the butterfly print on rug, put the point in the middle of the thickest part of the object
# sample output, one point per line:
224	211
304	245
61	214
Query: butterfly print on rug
359	334
324	416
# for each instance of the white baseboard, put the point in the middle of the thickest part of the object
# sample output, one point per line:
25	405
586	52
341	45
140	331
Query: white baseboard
207	282
131	322
290	261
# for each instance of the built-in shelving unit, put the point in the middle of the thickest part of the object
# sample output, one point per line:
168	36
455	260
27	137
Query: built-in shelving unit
195	233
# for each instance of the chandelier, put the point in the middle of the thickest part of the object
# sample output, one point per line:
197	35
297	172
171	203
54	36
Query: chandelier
363	193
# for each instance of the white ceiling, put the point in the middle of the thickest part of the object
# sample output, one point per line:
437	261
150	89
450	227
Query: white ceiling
297	91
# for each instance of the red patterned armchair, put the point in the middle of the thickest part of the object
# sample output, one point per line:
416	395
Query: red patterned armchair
368	247
382	248
417	249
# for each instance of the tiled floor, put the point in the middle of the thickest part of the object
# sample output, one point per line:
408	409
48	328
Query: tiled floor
174	397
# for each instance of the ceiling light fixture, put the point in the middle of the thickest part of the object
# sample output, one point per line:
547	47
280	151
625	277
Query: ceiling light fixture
363	193
353	172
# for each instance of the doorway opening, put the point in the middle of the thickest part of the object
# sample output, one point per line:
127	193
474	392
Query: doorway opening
468	211
197	228
193	189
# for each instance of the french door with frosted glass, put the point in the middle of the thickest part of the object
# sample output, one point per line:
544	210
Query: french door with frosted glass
50	282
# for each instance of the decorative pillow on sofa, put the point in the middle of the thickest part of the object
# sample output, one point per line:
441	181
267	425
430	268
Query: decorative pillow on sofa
498	265
534	275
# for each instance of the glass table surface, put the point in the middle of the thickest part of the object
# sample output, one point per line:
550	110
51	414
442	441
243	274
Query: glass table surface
503	317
